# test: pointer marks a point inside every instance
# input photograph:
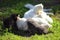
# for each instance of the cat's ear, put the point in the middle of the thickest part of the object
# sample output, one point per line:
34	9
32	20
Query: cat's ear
18	15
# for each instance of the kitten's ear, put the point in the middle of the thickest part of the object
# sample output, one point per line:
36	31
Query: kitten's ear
18	15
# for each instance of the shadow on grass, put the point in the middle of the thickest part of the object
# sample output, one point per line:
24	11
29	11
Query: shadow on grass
27	33
21	33
15	31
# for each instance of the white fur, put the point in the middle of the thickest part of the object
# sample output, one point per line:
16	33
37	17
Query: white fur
30	6
46	17
43	15
33	12
41	21
21	23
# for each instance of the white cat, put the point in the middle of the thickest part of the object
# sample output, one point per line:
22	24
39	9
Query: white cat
37	11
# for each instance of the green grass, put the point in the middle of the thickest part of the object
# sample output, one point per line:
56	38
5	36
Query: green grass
52	36
20	9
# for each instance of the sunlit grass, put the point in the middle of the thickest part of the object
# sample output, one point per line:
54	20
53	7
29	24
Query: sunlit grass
20	9
51	36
